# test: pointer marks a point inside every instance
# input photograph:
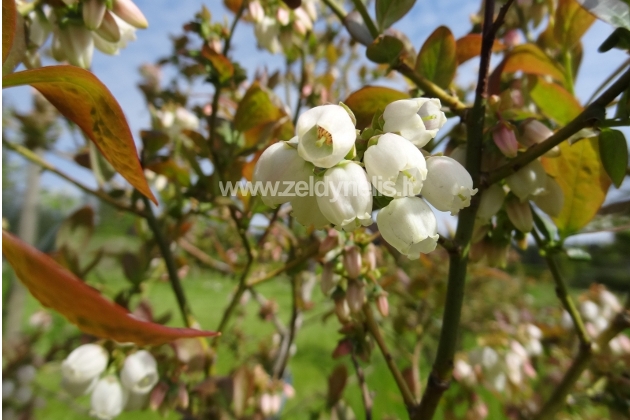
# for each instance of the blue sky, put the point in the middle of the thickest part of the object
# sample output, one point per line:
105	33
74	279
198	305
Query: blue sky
120	73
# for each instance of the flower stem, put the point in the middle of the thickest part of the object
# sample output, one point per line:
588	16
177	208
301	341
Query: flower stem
367	19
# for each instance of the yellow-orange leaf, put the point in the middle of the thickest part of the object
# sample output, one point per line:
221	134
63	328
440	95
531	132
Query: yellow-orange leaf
87	102
8	27
584	182
366	101
469	46
58	289
530	59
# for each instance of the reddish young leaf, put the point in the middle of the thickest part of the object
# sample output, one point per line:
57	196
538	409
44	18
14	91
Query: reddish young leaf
469	46
437	58
8	27
530	59
571	22
87	102
221	64
583	180
82	305
366	101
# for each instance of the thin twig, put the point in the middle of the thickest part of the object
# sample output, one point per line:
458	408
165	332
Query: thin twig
300	259
171	268
365	392
204	258
562	291
439	378
34	158
584	119
374	329
609	79
272	220
367	19
287	340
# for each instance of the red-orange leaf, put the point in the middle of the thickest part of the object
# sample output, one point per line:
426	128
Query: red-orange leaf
84	100
8	27
469	46
82	305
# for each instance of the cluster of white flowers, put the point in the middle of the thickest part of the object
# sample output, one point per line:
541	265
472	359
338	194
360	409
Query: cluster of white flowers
82	373
175	119
598	308
323	157
497	368
281	31
80	27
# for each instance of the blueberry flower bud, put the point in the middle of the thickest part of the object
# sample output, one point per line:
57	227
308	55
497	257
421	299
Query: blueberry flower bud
93	13
130	13
528	181
139	373
409	225
505	139
491	202
82	367
448	186
418	120
325	135
520	214
396	167
108	399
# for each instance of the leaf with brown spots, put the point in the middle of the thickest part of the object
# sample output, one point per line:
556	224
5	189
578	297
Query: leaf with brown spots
87	102
58	289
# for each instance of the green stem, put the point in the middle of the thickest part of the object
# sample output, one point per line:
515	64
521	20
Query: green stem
39	161
561	289
358	4
440	377
336	9
374	329
568	71
597	107
171	268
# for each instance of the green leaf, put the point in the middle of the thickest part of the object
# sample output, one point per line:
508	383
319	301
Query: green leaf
571	22
584	182
613	151
554	101
613	12
385	49
368	100
87	102
260	119
623	106
389	12
8	27
437	60
530	59
620	38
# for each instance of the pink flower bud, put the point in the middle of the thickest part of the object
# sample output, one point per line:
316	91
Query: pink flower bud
520	214
355	295
352	261
382	304
158	395
282	15
342	310
93	13
328	278
534	132
512	38
256	11
505	139
130	13
370	256
330	242
183	399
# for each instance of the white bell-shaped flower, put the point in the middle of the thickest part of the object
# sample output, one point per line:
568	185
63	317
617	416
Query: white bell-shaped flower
396	167
491	202
77	44
418	120
280	167
40	27
127	34
347	197
93	13
307	213
448	186
139	373
409	225
325	135
520	214
267	31
530	180
108	399
82	368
